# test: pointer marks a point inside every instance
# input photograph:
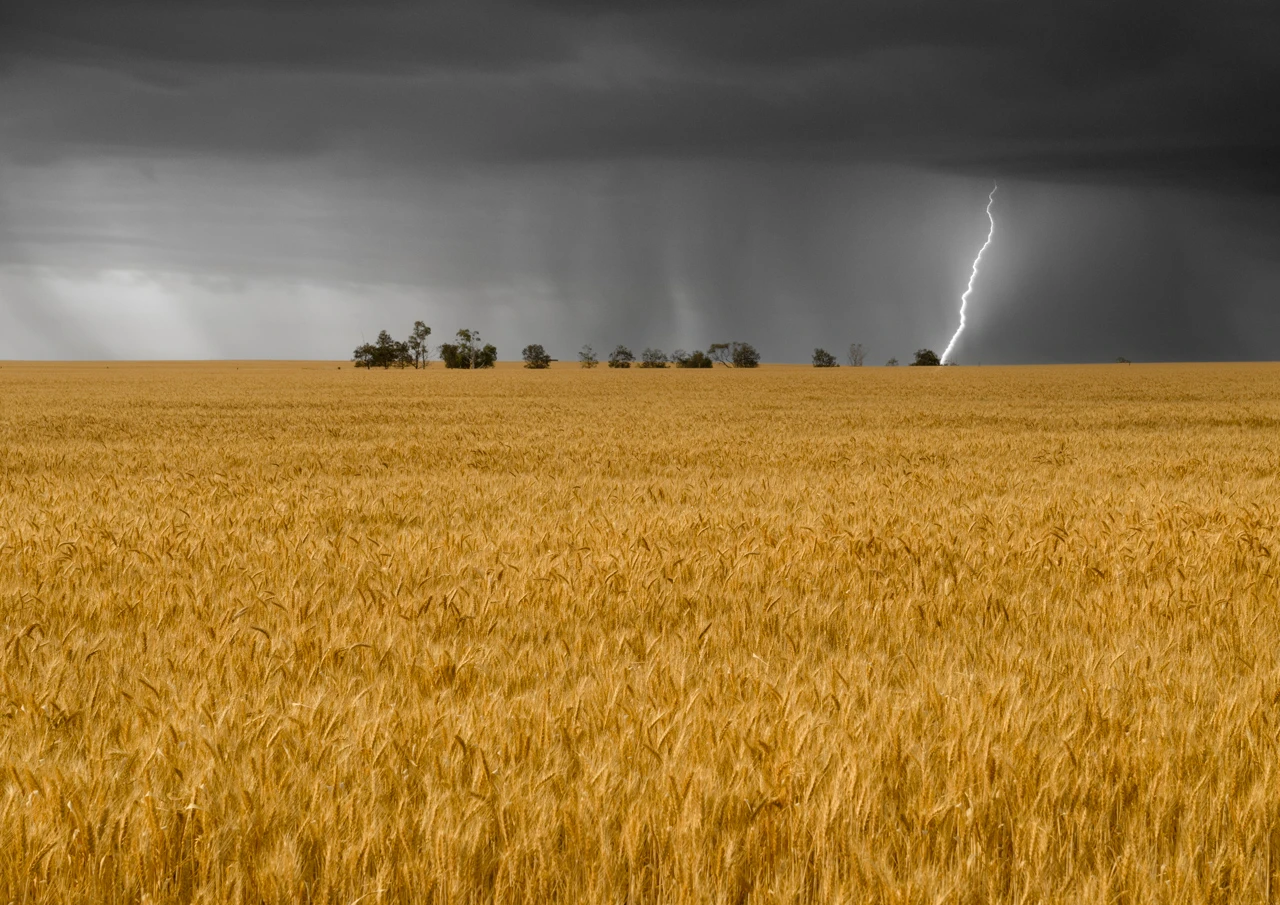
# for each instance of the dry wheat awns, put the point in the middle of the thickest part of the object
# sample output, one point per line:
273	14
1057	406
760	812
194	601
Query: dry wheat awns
309	634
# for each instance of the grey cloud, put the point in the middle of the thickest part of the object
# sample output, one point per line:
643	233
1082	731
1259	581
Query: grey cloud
1098	274
323	36
1079	91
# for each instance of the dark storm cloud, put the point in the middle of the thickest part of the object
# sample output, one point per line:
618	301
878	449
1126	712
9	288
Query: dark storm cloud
1124	280
1076	91
671	173
378	35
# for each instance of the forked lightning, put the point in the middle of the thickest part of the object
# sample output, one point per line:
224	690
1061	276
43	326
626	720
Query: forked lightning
964	299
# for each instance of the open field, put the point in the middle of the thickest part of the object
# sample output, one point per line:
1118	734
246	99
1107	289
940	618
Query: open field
299	634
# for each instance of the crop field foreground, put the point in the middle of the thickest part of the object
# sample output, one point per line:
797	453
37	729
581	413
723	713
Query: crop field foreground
301	633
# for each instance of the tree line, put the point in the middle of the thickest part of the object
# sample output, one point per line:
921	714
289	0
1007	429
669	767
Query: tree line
469	351
857	355
731	354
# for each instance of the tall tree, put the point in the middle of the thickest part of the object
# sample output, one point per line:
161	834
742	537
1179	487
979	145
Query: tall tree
417	344
389	351
469	344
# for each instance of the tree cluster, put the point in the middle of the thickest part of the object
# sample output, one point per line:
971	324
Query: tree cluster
739	355
468	353
855	357
388	352
695	359
736	355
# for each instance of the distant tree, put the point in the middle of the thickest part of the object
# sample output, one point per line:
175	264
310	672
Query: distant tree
621	357
693	360
365	355
417	344
735	354
745	356
536	357
384	350
857	355
678	356
383	353
891	363
469	341
1123	361
486	356
824	359
588	357
926	358
653	358
467	353
452	356
393	351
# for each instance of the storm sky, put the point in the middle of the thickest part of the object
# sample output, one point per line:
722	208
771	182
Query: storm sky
275	179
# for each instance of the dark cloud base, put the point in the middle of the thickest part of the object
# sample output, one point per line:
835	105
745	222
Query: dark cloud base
1185	92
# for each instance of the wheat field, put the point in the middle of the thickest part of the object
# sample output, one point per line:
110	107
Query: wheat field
299	633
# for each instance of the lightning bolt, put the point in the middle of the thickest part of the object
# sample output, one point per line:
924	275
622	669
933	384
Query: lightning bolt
964	299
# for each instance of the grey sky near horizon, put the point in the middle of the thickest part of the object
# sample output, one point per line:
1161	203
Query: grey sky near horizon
181	178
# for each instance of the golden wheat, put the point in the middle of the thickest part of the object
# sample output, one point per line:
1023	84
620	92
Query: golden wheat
307	634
